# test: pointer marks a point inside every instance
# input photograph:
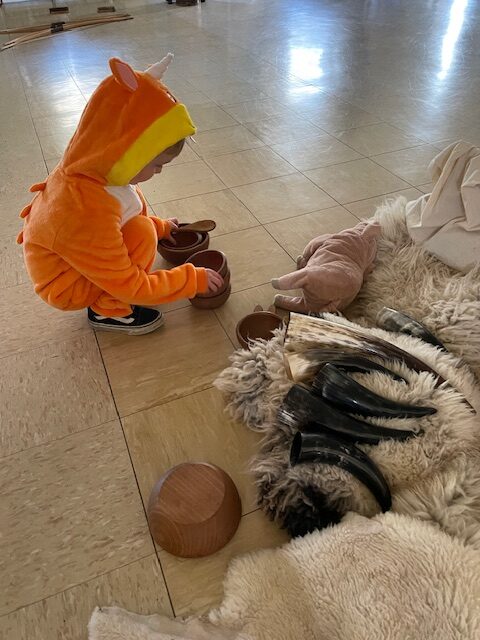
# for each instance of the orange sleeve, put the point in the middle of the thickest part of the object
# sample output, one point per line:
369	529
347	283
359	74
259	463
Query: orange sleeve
163	227
104	260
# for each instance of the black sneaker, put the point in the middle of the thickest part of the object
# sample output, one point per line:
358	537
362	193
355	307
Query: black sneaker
142	320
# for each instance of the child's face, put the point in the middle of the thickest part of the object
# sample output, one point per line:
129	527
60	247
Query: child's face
157	163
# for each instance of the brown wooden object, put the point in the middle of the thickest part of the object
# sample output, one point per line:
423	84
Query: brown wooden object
194	510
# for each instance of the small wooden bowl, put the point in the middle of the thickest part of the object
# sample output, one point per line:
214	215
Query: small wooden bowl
188	243
211	259
225	285
211	302
260	324
194	510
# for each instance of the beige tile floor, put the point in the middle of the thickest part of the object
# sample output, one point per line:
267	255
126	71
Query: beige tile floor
309	116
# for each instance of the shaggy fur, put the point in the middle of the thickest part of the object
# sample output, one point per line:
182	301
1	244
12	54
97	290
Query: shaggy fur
436	476
389	578
255	383
408	278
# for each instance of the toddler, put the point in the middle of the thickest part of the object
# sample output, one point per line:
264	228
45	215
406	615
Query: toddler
88	241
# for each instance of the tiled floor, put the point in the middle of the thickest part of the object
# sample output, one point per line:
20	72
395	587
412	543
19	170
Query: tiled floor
308	114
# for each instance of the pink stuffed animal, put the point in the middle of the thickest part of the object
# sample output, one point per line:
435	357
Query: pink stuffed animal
331	270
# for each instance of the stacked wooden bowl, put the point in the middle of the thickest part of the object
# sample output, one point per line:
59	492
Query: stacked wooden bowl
217	261
187	243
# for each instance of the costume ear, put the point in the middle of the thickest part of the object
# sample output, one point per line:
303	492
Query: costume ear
124	74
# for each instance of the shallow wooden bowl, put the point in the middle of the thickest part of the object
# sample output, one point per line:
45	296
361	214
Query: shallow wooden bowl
260	324
188	243
194	510
211	259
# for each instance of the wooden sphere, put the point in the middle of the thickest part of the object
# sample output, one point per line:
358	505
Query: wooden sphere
194	510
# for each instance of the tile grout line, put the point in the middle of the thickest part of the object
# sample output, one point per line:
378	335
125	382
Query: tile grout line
294	171
170	400
30	112
226	334
157	204
371	158
74	586
37	347
134	474
411	186
54	440
283	248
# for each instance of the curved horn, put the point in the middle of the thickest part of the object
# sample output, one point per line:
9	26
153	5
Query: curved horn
158	69
393	320
339	389
354	363
303	410
324	449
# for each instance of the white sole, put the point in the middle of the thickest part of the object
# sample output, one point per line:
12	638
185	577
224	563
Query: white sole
130	331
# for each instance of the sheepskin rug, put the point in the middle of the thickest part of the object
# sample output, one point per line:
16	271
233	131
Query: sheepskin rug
409	279
390	578
435	476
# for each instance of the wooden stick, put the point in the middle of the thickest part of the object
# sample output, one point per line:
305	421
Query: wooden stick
67	26
41	27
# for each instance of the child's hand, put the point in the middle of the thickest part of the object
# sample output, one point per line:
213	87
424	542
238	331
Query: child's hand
215	281
173	228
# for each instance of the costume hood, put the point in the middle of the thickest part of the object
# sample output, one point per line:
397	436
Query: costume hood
129	120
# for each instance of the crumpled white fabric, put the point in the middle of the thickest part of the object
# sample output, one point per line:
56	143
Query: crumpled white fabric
446	222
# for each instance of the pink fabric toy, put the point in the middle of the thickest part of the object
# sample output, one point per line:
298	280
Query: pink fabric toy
331	270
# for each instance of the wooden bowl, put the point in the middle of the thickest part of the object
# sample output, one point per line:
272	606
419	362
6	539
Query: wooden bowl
211	302
211	259
260	324
194	510
188	243
225	285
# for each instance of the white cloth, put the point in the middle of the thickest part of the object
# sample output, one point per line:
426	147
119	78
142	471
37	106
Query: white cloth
446	222
128	199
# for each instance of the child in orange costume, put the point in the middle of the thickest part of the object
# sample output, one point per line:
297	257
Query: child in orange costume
88	241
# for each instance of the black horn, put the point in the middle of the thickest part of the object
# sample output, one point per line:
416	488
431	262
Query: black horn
323	449
338	388
355	364
301	408
399	322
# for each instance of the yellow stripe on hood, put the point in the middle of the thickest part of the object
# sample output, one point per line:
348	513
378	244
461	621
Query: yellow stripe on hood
170	128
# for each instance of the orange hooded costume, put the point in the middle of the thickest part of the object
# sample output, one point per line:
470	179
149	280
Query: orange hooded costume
88	241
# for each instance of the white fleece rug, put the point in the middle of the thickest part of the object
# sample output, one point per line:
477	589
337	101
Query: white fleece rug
408	278
387	578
